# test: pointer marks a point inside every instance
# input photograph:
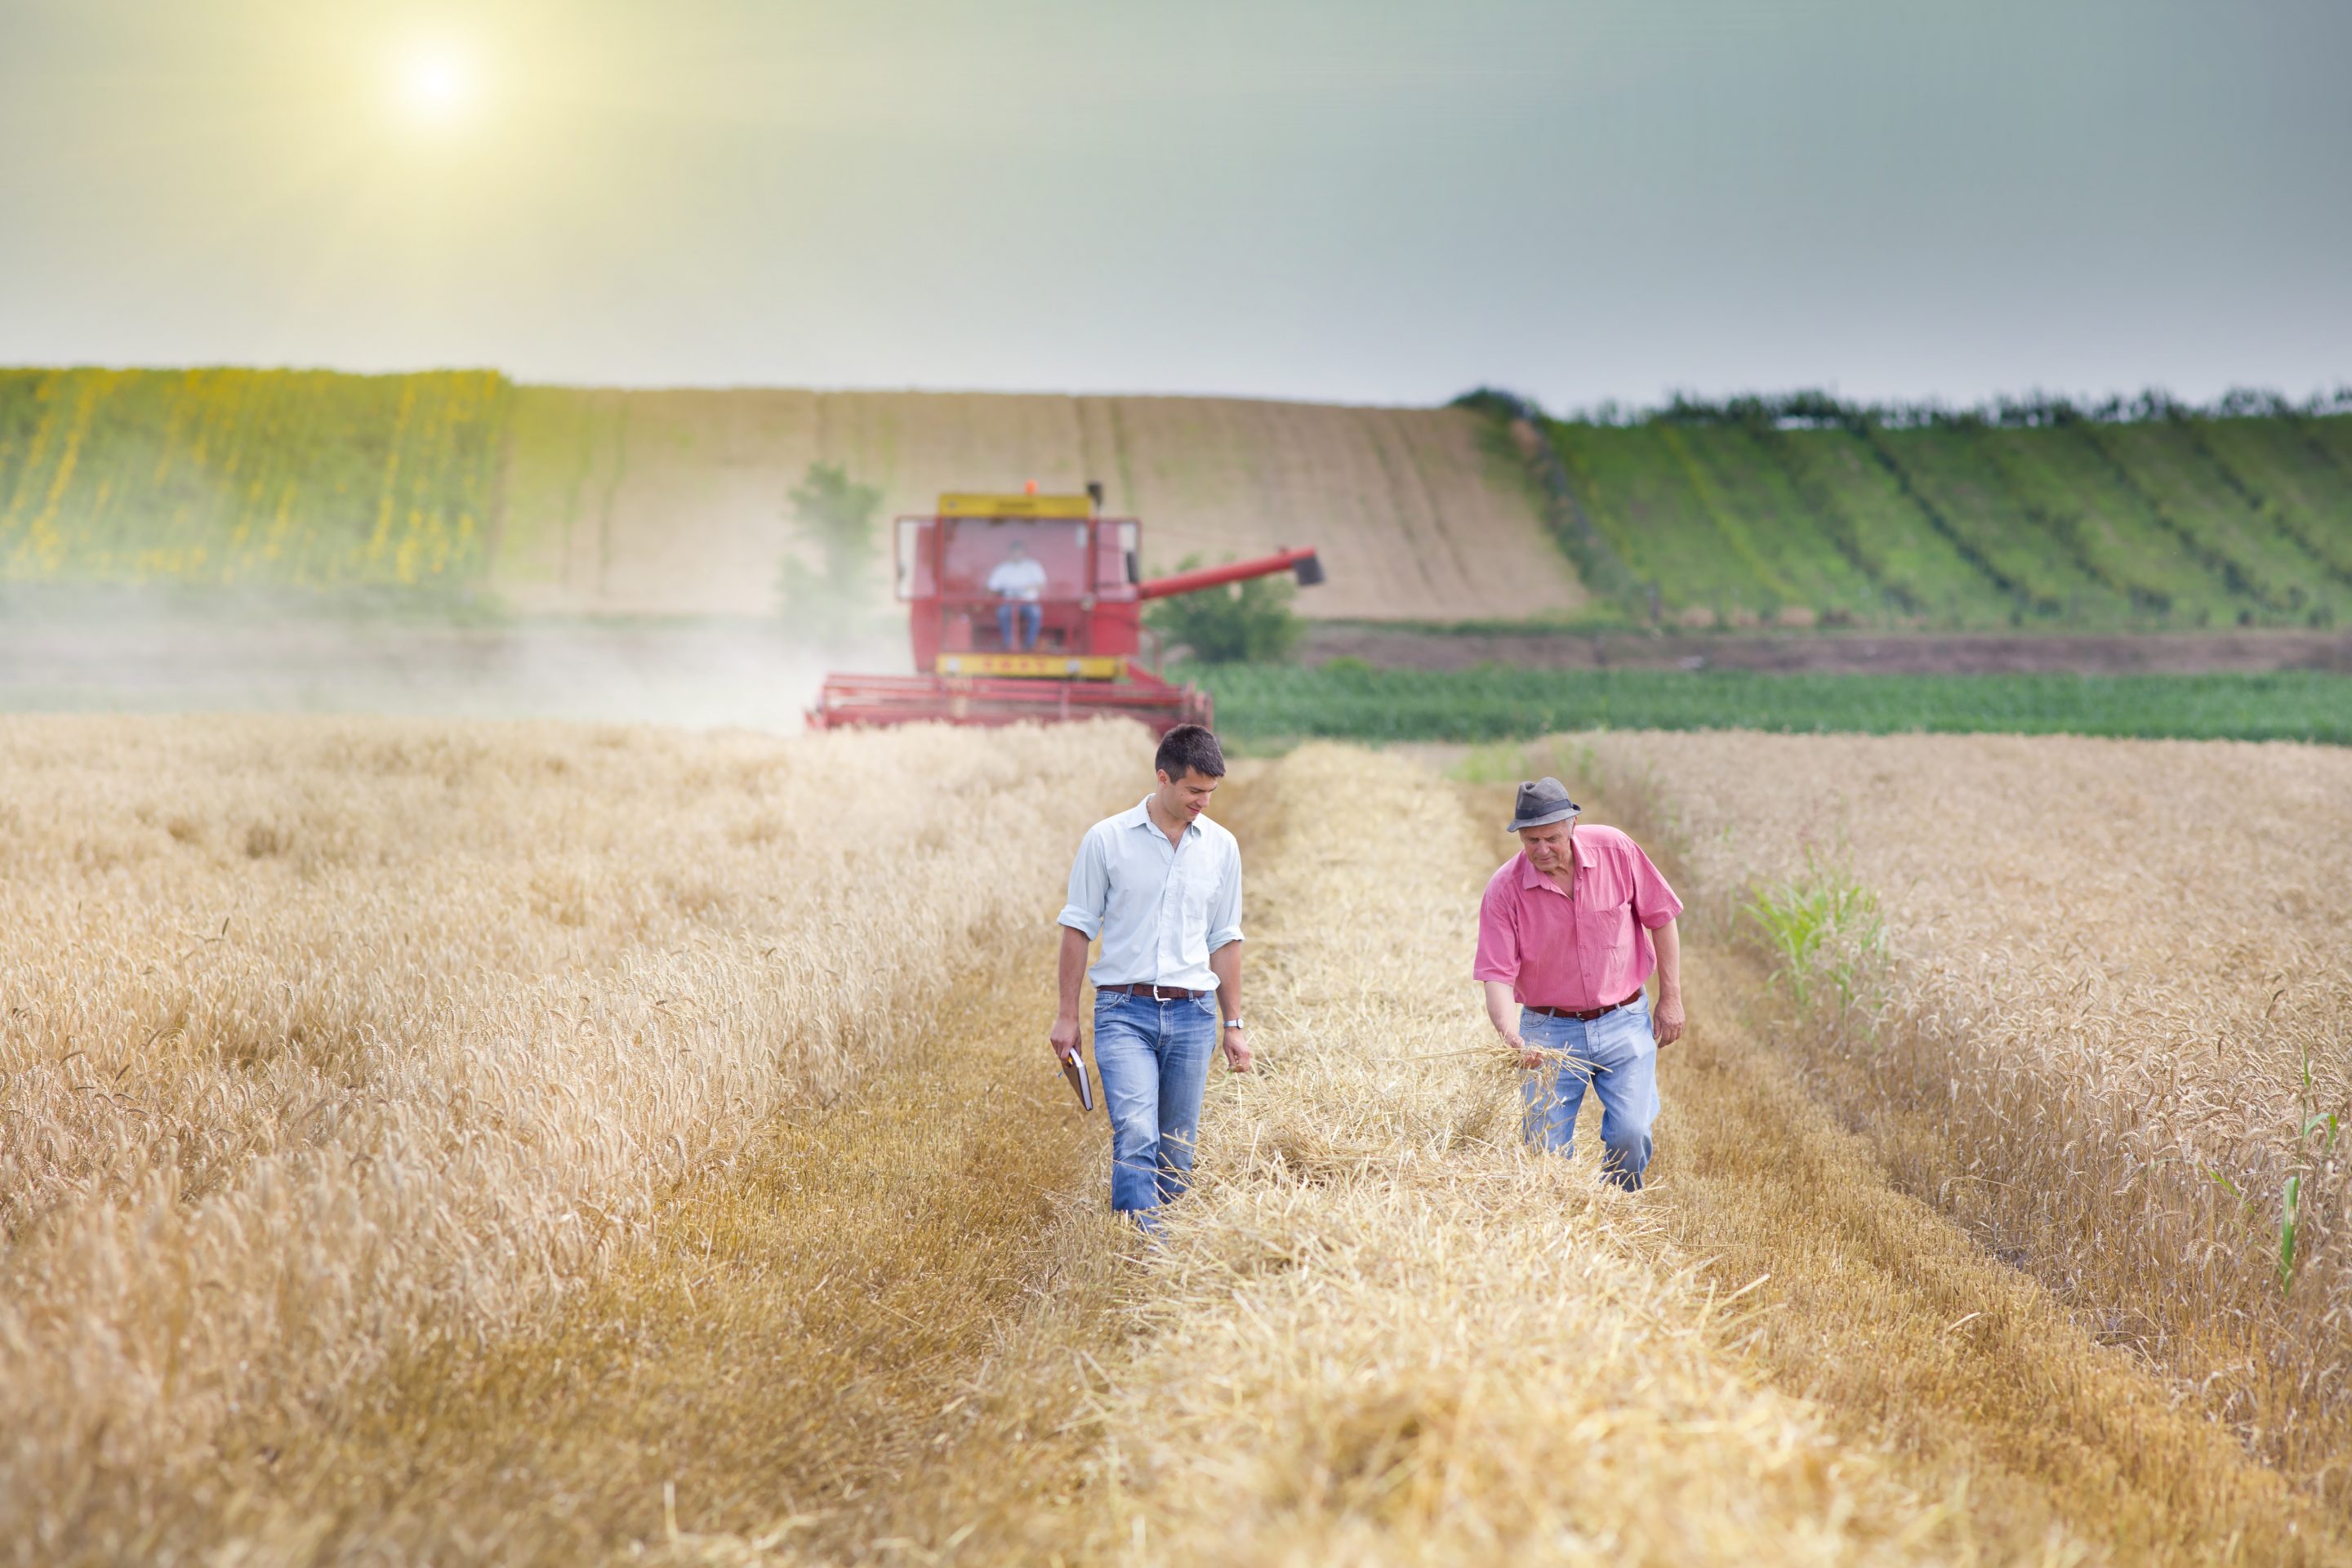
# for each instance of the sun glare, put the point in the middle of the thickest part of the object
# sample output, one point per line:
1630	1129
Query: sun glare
435	86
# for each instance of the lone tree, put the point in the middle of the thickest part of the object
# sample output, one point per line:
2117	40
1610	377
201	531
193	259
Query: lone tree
1249	622
830	602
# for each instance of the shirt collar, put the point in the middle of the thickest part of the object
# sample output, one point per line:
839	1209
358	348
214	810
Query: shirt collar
1531	877
1141	817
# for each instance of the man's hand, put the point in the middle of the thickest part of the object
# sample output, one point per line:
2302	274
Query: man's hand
1237	1052
1502	1011
1063	1035
1666	1018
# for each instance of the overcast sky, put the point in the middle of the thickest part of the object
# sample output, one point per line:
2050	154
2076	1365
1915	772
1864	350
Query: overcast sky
1362	202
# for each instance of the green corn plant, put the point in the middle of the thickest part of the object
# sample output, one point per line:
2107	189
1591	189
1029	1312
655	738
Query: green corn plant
1820	926
2315	1119
2290	1219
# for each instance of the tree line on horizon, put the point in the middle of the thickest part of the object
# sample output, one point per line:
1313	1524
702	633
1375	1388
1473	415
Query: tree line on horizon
1812	408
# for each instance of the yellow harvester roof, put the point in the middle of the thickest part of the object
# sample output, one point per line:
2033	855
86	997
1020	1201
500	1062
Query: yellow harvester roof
973	504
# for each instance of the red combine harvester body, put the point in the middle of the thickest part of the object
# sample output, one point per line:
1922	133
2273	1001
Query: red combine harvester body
1086	615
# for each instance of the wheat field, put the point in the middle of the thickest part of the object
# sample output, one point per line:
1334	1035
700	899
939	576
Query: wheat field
530	1143
326	1042
2112	1030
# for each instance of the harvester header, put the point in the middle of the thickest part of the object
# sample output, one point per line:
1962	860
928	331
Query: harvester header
1029	606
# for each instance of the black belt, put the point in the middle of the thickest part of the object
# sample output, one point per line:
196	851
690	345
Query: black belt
1156	993
1587	1014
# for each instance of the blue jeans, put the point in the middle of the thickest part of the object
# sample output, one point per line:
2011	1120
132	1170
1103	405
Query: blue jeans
1029	616
1154	1061
1617	1056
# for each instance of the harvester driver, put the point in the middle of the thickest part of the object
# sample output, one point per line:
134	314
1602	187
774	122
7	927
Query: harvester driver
1017	582
1161	885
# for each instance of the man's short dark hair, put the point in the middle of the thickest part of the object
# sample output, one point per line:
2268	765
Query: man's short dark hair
1190	748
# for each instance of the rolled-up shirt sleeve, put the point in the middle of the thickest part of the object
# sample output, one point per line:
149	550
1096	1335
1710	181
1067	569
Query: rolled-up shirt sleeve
1089	893
1498	935
1654	902
1226	908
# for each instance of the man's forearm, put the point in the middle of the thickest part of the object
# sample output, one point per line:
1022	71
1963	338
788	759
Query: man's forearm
1669	941
1225	963
1500	1004
1073	968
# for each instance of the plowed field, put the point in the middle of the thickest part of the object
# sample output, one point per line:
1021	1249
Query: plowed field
673	500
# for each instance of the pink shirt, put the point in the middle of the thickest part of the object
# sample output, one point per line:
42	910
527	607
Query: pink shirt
1592	950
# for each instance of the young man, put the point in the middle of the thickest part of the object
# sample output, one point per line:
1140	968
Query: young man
1161	885
1571	927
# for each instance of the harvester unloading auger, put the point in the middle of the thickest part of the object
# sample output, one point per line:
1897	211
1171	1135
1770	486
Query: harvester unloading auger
1054	640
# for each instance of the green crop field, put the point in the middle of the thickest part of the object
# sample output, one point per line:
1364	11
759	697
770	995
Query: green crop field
1796	513
2172	518
216	476
1266	704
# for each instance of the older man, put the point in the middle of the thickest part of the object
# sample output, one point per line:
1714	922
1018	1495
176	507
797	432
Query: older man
1161	885
1569	929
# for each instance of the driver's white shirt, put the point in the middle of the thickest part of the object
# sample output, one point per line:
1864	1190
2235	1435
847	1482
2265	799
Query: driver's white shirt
1018	579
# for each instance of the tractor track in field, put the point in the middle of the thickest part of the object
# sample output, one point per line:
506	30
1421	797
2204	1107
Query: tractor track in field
873	1321
779	1362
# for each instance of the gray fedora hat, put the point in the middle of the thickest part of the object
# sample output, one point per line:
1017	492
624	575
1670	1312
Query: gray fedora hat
1545	800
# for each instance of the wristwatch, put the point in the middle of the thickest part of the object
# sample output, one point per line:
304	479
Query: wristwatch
1232	1023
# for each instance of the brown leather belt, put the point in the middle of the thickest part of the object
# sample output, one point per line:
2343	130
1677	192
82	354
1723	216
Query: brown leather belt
1587	1014
1156	993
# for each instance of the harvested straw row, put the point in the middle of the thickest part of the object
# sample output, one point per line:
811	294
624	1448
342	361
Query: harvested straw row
1381	1332
2110	964
325	1041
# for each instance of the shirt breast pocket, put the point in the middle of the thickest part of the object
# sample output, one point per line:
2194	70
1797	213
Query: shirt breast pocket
1198	880
1605	932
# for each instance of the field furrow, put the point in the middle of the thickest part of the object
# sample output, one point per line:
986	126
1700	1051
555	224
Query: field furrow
783	1355
2290	481
1998	532
1926	575
2065	483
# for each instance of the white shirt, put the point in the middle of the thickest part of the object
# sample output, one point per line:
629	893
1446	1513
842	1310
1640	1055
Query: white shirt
1159	907
1018	579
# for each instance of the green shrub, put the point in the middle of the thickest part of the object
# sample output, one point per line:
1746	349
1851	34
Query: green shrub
1241	623
830	602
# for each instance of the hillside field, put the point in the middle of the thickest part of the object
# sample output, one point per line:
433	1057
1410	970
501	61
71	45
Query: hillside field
2149	524
567	500
580	502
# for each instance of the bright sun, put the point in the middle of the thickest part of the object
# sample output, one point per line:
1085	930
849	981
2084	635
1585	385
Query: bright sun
435	86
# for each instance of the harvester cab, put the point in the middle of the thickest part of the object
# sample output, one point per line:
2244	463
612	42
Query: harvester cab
1030	606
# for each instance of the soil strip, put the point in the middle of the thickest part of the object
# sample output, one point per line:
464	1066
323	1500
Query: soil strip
1841	653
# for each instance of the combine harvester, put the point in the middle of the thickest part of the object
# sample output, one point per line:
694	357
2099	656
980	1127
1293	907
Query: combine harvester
1087	617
